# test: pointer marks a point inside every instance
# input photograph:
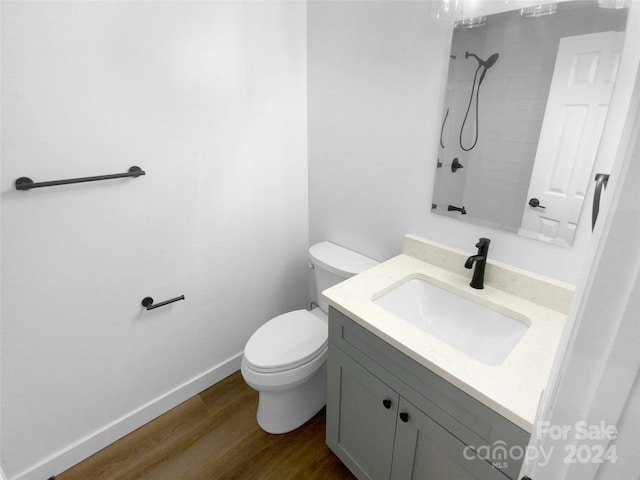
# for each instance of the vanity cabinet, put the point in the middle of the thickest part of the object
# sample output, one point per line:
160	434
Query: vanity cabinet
363	420
389	417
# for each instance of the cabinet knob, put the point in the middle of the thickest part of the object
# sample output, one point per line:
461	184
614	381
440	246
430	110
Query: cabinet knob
387	403
404	416
526	477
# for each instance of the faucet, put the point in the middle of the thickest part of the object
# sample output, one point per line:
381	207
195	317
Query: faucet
453	208
480	260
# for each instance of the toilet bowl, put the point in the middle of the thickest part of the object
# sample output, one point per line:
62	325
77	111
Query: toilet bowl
285	360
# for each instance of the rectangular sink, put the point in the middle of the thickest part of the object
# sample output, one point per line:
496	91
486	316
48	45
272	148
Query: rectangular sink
474	329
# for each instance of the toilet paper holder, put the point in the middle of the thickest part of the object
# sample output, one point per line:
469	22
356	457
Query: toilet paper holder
147	302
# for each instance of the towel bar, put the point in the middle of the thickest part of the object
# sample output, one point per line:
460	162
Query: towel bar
25	183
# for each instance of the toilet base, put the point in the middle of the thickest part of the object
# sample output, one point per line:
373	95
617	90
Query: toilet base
285	410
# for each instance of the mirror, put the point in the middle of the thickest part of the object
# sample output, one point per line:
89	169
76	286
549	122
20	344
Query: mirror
527	96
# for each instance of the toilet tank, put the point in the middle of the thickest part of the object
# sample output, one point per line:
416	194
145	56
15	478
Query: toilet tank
332	264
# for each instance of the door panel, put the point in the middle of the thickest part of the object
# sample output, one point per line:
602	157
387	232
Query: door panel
360	428
426	451
583	78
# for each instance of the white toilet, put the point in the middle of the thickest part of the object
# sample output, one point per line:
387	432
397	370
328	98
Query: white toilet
286	358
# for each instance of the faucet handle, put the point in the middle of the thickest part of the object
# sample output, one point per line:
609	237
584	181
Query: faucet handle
483	242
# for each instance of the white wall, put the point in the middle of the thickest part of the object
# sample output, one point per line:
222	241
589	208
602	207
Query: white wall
375	85
377	73
209	98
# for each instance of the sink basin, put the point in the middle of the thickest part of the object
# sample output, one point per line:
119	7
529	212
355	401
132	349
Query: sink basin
474	329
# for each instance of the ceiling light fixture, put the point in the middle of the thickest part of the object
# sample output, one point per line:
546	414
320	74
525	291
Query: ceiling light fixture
614	4
446	8
539	10
472	22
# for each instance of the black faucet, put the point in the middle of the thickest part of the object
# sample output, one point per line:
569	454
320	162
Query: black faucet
480	260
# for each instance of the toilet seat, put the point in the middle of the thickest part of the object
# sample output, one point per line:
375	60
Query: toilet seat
287	342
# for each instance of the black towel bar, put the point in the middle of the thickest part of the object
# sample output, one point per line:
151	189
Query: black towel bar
25	183
147	302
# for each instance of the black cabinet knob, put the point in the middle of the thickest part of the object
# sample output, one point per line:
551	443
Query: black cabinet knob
387	403
404	416
526	477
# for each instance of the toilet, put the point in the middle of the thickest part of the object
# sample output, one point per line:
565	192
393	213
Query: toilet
285	360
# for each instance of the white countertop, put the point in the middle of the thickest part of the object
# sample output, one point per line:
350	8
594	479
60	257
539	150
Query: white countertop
513	388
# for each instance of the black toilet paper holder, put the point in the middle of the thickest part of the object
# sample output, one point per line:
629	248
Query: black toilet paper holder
147	302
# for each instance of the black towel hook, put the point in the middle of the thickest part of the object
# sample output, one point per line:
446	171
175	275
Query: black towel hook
601	182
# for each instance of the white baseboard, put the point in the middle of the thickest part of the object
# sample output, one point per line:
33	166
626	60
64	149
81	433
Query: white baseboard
73	454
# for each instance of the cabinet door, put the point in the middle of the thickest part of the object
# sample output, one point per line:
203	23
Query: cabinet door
361	417
426	451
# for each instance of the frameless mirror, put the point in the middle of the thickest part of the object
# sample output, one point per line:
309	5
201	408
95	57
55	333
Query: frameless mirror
527	95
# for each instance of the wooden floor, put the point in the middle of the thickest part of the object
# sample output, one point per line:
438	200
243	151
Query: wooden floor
214	435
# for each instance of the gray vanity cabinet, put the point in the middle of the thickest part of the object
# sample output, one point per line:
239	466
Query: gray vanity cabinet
424	450
365	429
389	417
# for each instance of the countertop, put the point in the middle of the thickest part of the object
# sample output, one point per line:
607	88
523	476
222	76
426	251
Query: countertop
512	389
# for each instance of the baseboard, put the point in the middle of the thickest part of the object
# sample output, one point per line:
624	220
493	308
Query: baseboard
66	458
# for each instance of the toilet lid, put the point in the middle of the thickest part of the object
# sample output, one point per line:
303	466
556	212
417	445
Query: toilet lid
286	341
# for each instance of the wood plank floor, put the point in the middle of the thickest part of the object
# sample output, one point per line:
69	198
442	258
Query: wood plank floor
212	436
